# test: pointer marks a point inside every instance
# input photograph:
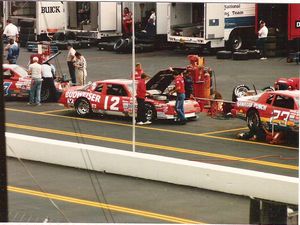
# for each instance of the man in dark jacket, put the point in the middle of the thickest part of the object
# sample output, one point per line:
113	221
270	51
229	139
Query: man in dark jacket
188	85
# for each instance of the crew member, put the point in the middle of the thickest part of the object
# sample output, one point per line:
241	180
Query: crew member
11	31
13	51
179	89
70	62
48	74
35	70
151	24
262	38
138	71
127	22
140	97
80	69
188	85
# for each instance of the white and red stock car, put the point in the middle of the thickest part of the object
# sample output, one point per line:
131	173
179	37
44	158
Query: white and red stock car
115	97
279	109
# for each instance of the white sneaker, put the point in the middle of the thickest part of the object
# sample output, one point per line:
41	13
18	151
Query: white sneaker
263	58
140	123
148	122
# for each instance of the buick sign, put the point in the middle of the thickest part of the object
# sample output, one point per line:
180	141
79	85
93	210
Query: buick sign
51	9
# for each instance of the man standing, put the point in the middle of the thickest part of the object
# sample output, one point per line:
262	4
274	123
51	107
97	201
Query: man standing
35	70
11	31
127	22
140	97
262	37
151	24
70	62
188	85
80	69
179	89
13	51
48	74
138	71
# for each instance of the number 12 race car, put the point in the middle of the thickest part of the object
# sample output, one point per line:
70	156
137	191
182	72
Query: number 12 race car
115	97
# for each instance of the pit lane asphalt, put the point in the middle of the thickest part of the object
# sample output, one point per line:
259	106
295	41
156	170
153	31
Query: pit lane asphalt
165	138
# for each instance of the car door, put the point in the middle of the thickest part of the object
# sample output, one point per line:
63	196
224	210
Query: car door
97	99
283	106
116	99
9	82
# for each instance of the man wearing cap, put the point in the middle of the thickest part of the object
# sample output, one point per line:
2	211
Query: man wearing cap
180	90
11	31
35	70
70	62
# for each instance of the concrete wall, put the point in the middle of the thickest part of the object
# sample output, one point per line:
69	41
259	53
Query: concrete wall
208	176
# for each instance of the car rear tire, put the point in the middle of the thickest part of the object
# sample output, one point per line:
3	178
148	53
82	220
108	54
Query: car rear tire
239	91
82	107
253	121
150	112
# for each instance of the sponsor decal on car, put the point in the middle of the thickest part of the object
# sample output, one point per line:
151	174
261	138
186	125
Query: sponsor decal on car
260	106
244	104
77	94
6	86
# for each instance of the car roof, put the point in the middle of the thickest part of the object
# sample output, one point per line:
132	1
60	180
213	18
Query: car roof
117	81
293	93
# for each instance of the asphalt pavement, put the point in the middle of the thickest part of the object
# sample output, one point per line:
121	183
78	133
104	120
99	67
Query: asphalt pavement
206	140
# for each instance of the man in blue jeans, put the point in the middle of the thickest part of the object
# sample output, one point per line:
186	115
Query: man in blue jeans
180	90
35	70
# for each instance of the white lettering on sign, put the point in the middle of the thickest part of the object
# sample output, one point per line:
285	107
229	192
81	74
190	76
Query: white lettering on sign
244	104
297	24
90	96
50	9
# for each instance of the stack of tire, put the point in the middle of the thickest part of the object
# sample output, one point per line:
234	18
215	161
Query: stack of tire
271	43
61	40
238	55
26	32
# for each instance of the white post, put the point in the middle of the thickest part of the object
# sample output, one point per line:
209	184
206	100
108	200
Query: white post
133	80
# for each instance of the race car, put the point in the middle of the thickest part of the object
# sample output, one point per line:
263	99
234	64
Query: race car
273	110
115	97
17	84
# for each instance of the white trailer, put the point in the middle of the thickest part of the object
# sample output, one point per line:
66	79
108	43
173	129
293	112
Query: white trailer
36	20
211	25
94	20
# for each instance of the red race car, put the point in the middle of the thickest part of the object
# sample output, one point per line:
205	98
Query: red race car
114	97
277	109
17	83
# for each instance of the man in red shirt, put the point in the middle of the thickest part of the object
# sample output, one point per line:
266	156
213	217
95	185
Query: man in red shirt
127	22
140	97
138	71
180	90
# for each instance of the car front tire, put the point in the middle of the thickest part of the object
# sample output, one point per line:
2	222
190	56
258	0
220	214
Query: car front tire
82	107
253	121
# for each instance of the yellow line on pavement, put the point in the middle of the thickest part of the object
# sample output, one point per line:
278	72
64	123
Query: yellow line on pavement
159	129
153	146
54	111
224	131
102	205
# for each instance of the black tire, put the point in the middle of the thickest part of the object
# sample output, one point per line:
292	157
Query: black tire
45	95
145	47
270	46
224	54
150	112
270	53
269	88
120	45
82	107
69	35
253	54
235	41
84	44
106	46
240	56
253	121
239	91
59	36
24	23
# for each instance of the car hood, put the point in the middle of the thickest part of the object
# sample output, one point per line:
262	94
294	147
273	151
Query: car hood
162	80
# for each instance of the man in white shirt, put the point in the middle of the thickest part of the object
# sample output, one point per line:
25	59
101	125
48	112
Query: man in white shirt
262	38
48	74
70	62
150	27
11	31
35	70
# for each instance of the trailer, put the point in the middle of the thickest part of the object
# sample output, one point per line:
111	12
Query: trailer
211	25
37	21
283	22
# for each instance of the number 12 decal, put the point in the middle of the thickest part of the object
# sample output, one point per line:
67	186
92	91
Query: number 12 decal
114	105
276	114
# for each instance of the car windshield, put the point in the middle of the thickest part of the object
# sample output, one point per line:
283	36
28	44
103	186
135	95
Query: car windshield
21	71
